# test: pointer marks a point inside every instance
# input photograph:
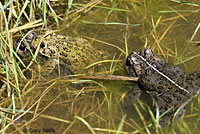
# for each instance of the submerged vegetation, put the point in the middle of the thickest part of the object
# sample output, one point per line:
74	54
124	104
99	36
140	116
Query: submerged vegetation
73	104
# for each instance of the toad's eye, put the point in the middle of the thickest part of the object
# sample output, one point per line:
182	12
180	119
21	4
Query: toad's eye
128	62
22	47
147	51
42	45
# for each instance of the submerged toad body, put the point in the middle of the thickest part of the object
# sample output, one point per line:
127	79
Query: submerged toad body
172	87
75	53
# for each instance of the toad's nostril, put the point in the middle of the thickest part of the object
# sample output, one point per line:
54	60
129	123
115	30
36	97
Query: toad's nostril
128	62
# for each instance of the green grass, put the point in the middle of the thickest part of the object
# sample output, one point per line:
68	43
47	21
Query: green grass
183	11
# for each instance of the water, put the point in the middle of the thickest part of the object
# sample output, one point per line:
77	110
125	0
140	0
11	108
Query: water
166	33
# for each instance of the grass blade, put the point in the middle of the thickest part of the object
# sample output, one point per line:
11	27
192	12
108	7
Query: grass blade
86	123
121	125
20	14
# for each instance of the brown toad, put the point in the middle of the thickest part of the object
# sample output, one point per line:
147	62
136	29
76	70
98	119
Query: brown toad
75	53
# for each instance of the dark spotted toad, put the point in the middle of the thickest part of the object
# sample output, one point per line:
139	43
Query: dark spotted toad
172	87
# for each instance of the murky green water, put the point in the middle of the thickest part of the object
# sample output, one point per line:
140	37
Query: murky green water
163	26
